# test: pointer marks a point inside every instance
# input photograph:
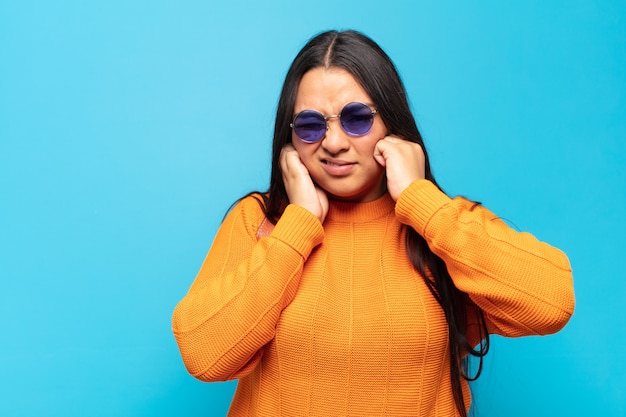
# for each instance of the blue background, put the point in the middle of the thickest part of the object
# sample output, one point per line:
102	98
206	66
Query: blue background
127	128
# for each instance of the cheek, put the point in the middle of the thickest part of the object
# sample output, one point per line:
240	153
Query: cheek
368	143
305	150
380	128
297	144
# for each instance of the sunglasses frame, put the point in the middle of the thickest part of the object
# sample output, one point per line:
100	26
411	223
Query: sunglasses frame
334	116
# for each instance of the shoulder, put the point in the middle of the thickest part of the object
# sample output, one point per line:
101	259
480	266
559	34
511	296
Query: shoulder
250	210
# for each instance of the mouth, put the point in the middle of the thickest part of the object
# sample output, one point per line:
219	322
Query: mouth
337	168
335	163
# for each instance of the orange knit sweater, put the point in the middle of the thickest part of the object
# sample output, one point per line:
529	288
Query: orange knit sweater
333	320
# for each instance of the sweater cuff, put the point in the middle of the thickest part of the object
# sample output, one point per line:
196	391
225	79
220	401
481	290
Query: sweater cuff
418	203
300	229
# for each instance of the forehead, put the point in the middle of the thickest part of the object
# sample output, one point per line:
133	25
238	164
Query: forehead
327	90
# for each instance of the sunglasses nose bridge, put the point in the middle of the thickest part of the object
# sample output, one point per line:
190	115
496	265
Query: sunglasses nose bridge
332	116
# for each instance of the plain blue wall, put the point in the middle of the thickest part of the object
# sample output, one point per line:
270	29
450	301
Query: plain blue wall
127	128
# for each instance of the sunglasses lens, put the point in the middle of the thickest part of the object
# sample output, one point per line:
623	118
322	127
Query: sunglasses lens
357	119
309	126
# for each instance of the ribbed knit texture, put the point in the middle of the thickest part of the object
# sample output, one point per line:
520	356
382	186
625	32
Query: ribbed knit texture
335	321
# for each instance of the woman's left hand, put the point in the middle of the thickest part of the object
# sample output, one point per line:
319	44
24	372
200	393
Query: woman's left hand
404	162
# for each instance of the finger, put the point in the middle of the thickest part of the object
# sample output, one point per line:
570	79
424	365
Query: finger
288	156
379	152
391	139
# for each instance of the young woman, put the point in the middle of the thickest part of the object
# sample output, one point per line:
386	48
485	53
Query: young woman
354	285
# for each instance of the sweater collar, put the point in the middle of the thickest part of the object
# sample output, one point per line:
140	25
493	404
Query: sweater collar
360	212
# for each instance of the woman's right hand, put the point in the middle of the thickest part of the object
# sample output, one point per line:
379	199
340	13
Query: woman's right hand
299	186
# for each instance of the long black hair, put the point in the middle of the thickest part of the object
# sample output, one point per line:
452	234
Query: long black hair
376	73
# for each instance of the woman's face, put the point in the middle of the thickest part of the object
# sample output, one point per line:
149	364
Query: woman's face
342	165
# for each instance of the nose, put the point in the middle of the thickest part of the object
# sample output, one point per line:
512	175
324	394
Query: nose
335	140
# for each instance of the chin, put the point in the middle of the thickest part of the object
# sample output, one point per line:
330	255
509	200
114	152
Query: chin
357	197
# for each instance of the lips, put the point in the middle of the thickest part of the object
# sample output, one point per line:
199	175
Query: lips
337	167
335	162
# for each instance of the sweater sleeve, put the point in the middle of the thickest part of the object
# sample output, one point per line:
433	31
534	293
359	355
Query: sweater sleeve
523	286
233	305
